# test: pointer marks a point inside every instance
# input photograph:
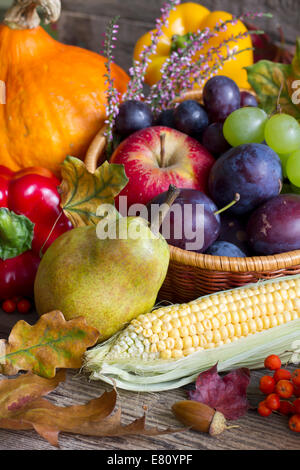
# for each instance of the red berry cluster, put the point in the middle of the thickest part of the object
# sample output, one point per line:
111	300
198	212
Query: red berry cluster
16	304
279	388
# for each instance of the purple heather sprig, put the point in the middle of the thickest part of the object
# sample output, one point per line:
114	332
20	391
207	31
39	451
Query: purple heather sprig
180	68
113	96
206	66
138	71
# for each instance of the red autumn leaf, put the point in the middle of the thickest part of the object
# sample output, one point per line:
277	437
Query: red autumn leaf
266	49
227	394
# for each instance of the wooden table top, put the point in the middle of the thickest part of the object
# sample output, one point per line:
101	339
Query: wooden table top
253	433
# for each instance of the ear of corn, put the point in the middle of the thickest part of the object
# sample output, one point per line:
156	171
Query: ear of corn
170	346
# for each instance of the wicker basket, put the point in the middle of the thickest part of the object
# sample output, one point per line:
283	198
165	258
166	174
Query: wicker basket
190	274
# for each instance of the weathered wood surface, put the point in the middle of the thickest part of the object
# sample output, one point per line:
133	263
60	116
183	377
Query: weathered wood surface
82	23
253	433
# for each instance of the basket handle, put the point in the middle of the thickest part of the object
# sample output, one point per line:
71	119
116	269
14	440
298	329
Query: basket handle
96	150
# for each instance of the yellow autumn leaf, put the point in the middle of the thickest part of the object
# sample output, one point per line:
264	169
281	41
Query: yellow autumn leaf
83	192
51	343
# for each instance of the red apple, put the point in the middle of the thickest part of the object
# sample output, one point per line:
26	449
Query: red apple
158	156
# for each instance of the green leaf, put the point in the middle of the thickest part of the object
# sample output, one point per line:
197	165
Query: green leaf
16	234
83	192
266	78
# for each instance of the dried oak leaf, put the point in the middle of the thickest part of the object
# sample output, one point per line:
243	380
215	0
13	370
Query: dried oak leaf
83	192
50	344
227	394
17	393
91	419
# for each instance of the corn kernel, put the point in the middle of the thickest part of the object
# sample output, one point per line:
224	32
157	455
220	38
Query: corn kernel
174	333
152	316
166	354
259	324
161	346
249	313
215	323
184	321
266	321
192	330
280	319
199	328
183	331
162	335
166	318
232	307
222	319
183	312
252	325
175	322
271	309
207	324
210	346
209	336
295	315
279	307
187	342
147	333
235	317
188	351
170	343
156	325
154	338
166	326
273	321
177	354
230	329
217	336
245	329
224	332
238	330
202	341
287	316
199	316
178	343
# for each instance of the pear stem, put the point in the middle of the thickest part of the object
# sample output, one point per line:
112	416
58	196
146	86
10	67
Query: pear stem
237	197
162	137
172	194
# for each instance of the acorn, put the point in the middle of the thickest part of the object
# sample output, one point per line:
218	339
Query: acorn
200	417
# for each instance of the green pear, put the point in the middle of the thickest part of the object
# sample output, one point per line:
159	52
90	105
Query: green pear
109	280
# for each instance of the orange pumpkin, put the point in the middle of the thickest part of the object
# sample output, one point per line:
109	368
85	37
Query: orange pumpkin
55	93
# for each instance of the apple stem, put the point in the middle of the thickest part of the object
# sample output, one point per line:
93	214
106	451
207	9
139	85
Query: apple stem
172	194
162	137
237	197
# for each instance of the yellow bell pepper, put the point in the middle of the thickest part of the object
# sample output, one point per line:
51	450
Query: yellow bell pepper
189	18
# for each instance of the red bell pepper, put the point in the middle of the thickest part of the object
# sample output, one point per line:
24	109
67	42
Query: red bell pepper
30	220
